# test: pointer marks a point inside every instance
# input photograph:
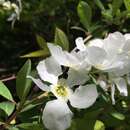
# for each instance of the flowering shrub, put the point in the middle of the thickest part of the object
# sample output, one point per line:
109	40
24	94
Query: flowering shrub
84	86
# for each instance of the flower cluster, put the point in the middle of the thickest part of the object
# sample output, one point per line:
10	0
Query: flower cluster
16	9
67	74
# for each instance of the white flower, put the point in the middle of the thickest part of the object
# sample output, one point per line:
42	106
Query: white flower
83	96
74	60
111	55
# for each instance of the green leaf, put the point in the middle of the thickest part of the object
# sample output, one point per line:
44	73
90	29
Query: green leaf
30	126
87	122
23	84
7	107
99	4
118	115
4	91
13	128
39	53
41	42
99	125
85	14
115	6
127	4
61	39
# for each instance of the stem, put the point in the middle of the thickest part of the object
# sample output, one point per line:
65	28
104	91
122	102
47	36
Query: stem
37	98
9	78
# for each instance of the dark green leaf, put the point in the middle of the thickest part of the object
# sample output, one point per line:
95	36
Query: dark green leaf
23	84
7	107
115	6
87	122
4	91
41	42
30	126
61	39
85	14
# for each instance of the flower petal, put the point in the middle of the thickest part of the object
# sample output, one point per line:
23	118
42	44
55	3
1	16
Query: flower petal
96	55
113	43
121	86
77	77
57	115
84	96
40	84
96	42
62	57
127	36
49	70
80	44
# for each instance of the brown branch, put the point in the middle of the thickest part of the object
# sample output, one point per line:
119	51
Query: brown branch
9	78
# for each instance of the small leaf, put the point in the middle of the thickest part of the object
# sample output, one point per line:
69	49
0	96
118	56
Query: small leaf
30	126
7	107
99	125
127	4
61	39
118	115
85	14
23	84
13	128
39	53
4	91
41	42
115	6
99	4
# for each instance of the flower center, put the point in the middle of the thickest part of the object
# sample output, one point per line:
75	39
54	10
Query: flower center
61	91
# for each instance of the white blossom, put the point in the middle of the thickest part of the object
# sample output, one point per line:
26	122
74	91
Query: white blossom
83	97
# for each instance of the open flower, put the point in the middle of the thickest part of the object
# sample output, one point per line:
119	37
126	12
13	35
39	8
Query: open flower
56	114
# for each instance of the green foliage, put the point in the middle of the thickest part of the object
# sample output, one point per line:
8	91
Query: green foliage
23	84
61	39
28	39
99	125
127	4
39	53
4	91
85	14
8	107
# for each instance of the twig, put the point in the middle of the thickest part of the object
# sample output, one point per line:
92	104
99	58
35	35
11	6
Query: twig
9	78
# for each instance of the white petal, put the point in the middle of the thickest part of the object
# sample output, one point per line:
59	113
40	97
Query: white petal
40	84
49	70
114	42
96	55
84	96
57	115
96	42
127	36
113	94
121	85
80	44
52	66
126	47
62	57
77	77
